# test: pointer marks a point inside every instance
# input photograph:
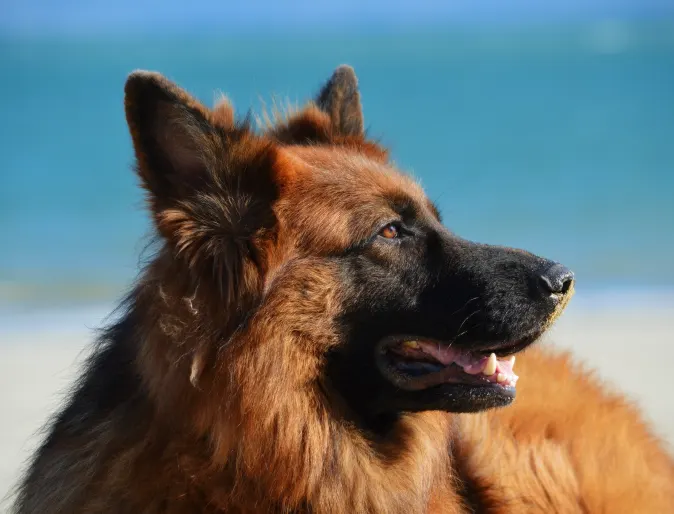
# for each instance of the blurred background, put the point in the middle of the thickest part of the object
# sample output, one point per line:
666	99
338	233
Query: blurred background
542	125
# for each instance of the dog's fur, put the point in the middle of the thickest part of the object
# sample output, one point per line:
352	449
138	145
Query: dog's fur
240	378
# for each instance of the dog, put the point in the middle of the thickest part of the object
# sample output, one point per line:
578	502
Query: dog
309	337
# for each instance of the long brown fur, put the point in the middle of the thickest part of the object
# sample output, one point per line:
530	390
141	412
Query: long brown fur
210	395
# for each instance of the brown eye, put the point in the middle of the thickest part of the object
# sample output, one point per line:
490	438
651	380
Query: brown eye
390	231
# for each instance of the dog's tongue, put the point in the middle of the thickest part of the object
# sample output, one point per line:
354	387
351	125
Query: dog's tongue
494	369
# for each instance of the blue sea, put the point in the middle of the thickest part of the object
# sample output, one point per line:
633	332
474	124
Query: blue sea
557	139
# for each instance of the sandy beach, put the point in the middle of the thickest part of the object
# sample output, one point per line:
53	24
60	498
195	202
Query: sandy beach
628	337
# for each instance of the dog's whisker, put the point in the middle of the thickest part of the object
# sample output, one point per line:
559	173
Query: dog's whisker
465	305
468	317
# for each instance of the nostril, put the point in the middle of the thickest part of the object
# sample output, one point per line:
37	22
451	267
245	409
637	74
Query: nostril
567	282
557	279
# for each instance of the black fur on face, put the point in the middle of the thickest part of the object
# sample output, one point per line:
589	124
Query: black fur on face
427	283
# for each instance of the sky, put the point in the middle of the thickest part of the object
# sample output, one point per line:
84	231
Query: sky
39	17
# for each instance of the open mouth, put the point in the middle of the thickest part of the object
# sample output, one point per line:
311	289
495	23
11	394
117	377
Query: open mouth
415	364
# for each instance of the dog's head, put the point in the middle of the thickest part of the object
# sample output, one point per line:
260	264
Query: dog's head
304	235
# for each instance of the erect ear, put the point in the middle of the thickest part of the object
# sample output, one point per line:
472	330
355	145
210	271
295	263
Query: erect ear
340	99
175	143
211	182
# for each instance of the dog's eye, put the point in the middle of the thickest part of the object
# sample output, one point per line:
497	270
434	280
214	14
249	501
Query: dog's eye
390	231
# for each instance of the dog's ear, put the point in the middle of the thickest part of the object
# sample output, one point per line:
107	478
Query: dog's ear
340	99
211	182
335	116
176	146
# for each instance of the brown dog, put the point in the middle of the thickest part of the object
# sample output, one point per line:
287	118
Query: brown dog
308	336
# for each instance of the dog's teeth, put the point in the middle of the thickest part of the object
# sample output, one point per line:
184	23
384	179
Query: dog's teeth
511	359
412	345
490	366
500	378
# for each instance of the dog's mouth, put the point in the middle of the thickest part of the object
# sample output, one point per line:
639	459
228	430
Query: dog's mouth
414	364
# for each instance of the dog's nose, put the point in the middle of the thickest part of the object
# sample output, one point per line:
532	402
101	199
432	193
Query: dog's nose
556	279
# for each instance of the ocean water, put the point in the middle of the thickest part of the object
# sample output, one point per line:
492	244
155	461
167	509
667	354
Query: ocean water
559	140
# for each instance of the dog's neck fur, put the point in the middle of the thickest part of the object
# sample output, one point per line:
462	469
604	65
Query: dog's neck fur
272	439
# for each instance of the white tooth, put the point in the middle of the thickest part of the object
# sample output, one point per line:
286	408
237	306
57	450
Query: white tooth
490	366
511	359
411	344
500	378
